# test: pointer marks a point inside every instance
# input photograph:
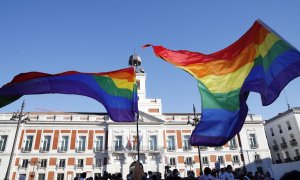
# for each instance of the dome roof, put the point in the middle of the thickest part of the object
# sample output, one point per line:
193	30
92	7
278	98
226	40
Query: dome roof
135	60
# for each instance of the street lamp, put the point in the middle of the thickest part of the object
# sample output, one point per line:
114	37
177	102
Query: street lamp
21	118
35	163
194	121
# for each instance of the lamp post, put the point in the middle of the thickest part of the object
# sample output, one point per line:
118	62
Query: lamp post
21	118
194	121
35	163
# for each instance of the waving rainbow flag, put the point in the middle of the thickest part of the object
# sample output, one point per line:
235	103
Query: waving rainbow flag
259	61
116	90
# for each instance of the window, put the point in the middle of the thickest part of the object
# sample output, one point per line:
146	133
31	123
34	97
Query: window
64	143
28	144
278	156
81	143
292	136
287	154
135	142
79	162
232	144
60	176
98	163
186	142
99	143
46	144
43	163
62	163
3	140
275	142
189	160
297	152
41	176
172	162
279	128
205	160
221	159
235	159
118	143
253	142
272	131
171	143
25	163
257	158
153	143
288	124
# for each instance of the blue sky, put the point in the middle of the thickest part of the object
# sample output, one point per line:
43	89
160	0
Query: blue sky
96	36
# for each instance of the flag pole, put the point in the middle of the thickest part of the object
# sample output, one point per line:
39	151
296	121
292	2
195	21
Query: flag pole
137	137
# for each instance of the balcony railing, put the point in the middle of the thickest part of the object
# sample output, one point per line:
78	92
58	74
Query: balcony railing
258	161
275	147
143	149
283	145
98	149
80	149
233	147
288	160
171	148
187	148
44	149
218	148
293	142
97	166
253	146
297	158
25	150
203	148
62	149
278	161
78	166
235	162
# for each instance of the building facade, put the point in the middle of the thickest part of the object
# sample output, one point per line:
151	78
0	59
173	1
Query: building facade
283	135
61	145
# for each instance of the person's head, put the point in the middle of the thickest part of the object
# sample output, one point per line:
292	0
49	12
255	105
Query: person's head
175	172
150	173
229	168
83	175
207	171
214	173
291	175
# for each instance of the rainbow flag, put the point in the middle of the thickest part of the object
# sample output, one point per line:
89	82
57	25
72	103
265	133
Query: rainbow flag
116	90
260	61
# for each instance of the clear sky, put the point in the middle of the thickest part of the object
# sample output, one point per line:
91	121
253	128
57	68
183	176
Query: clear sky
100	35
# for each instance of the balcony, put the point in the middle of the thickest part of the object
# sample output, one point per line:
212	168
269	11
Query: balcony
233	147
78	166
171	148
187	148
98	149
61	166
237	162
80	149
62	149
283	145
288	160
258	161
275	147
203	148
26	150
254	146
293	142
95	166
297	158
218	148
44	149
279	161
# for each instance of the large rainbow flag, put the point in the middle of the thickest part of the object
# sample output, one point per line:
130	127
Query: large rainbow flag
116	90
260	61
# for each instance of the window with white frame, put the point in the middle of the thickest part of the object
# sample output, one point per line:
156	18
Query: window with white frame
79	162
98	162
62	163
171	143
118	143
297	152
153	143
232	143
288	124
287	154
43	163
60	176
292	136
188	160
272	131
279	128
81	143
41	176
186	142
221	159
172	161
64	144
28	143
46	143
205	160
278	156
25	163
235	159
3	139
253	141
98	143
274	142
257	158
